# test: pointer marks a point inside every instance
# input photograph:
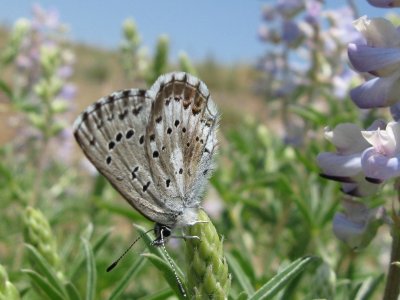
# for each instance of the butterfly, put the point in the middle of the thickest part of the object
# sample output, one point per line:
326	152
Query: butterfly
156	147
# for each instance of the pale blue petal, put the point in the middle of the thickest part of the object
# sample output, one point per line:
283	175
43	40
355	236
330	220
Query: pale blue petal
333	164
377	92
379	61
379	167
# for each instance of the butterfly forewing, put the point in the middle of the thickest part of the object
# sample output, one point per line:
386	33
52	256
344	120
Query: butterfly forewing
111	133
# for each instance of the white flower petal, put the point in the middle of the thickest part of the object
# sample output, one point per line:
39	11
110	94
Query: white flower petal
381	140
347	139
393	130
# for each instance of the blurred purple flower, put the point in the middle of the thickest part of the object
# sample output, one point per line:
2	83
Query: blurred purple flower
379	55
68	92
63	145
341	29
395	111
268	35
341	83
358	225
45	19
291	32
384	3
289	8
268	13
65	71
313	11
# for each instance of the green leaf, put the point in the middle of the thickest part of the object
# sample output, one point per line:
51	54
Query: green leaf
168	273
368	287
279	281
41	266
239	274
44	285
133	270
309	114
6	89
72	292
119	210
96	247
90	270
242	296
164	294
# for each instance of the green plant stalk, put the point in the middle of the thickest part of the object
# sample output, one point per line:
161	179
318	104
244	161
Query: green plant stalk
207	268
392	288
46	90
38	233
7	290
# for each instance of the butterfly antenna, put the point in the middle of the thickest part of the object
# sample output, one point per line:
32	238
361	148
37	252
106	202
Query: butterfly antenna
114	264
172	265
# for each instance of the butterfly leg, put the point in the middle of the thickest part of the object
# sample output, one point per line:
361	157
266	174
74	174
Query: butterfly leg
186	237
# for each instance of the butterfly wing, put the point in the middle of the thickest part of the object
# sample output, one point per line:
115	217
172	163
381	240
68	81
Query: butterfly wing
183	140
112	134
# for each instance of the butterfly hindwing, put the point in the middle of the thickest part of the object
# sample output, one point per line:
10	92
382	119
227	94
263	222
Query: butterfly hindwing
186	132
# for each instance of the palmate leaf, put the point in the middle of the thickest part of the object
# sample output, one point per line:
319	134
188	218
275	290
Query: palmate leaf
282	279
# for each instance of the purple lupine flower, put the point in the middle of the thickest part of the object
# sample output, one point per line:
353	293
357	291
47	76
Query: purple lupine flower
268	34
341	83
379	56
291	33
345	165
342	30
382	161
289	8
384	3
358	224
45	19
395	111
268	13
68	91
313	11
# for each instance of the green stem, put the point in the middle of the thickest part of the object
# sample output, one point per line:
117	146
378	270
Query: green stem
392	288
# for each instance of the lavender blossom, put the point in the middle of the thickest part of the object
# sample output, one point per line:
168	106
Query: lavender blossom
384	3
378	55
358	224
